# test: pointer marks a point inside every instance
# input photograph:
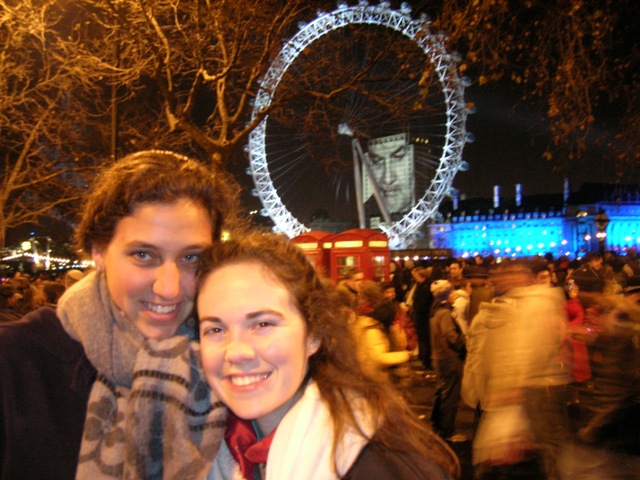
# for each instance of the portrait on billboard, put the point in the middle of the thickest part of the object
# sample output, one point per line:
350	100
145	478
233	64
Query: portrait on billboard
391	161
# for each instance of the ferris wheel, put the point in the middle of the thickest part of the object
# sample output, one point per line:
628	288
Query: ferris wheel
360	94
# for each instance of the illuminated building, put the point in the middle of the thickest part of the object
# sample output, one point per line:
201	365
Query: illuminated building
562	224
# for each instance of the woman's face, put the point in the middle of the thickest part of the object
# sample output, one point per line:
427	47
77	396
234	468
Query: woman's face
151	261
254	342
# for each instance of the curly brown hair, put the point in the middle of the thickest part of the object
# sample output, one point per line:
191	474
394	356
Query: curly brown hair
152	176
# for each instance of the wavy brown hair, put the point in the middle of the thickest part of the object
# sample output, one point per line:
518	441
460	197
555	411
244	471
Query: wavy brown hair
335	366
158	177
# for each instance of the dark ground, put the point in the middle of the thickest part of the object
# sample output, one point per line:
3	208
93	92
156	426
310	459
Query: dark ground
421	394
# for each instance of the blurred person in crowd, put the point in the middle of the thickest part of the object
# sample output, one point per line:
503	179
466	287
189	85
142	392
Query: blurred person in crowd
481	289
382	344
515	371
589	276
351	284
401	280
456	268
619	272
277	350
541	274
461	302
631	259
447	354
608	443
404	280
401	318
25	301
72	276
77	383
8	301
439	270
562	269
578	354
52	292
419	300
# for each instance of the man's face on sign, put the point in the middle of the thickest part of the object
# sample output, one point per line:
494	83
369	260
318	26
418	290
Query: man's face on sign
392	167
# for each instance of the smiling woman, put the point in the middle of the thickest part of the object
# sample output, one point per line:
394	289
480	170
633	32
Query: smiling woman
121	347
277	350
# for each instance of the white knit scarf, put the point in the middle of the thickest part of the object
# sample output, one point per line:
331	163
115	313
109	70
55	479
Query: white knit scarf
301	447
150	414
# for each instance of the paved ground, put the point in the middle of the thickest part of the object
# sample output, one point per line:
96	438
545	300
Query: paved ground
421	396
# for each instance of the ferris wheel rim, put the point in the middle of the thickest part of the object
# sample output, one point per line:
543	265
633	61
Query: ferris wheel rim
452	89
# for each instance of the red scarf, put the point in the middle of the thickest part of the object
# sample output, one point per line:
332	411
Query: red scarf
243	443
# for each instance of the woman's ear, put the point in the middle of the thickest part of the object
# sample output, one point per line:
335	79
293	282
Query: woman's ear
313	344
97	257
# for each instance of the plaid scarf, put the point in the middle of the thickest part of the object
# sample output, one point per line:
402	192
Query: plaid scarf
150	415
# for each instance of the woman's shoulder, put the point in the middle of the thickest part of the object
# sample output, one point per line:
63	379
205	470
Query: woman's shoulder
37	332
377	462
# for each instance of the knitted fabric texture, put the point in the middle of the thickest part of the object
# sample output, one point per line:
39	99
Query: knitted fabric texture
151	414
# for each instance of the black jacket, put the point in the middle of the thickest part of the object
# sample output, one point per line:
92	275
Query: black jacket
45	381
375	462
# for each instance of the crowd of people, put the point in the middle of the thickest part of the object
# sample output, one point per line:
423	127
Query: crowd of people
180	355
547	351
22	293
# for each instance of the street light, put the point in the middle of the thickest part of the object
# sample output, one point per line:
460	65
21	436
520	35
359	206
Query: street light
601	221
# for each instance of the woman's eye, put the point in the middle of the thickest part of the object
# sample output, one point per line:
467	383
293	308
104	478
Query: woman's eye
192	258
212	331
141	255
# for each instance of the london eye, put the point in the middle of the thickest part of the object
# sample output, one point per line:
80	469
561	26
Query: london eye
366	123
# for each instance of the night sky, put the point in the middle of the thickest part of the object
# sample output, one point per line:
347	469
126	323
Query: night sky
510	140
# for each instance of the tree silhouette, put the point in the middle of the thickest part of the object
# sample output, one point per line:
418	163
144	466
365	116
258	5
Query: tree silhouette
83	81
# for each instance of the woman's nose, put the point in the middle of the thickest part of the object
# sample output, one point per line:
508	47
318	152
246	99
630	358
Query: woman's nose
167	281
238	351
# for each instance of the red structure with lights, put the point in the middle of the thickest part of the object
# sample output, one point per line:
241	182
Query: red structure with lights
334	254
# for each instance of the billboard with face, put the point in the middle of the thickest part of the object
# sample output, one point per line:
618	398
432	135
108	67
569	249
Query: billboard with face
391	161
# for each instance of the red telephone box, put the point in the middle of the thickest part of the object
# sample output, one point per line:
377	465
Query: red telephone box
312	244
363	248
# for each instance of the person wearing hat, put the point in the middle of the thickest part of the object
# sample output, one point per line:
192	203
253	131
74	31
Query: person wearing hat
447	356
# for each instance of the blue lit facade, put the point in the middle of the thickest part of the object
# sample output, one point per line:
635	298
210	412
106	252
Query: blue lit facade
568	230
